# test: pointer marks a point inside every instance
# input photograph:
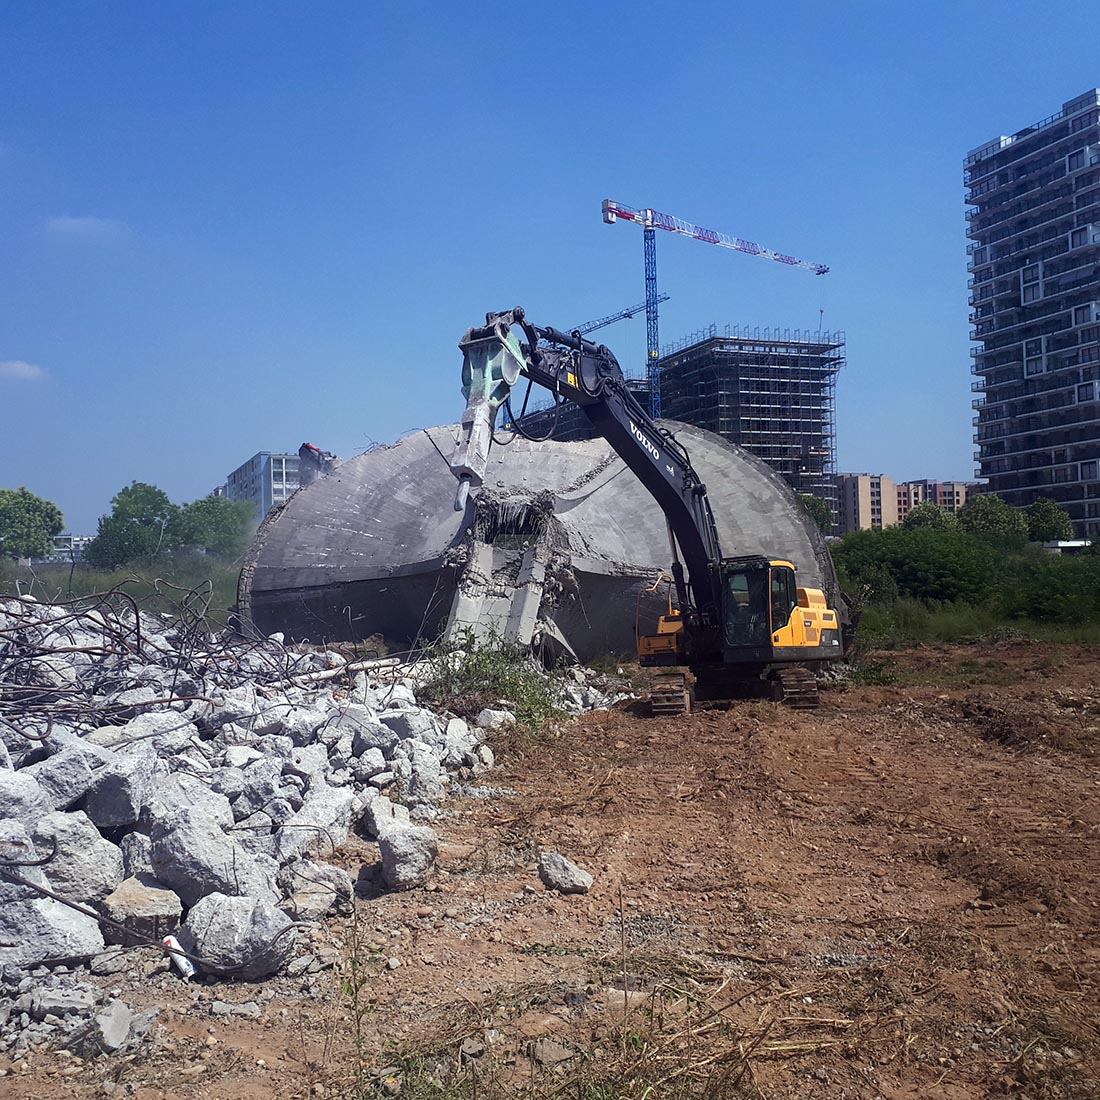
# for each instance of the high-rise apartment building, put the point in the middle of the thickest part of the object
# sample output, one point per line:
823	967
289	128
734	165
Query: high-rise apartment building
1034	229
865	501
266	479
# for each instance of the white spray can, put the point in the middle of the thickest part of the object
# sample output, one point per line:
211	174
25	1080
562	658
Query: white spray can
181	962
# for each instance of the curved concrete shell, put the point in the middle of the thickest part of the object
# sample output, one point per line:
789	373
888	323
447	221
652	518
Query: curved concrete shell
558	545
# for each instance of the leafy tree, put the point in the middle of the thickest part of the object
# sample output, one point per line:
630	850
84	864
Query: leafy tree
28	524
217	525
925	564
930	515
1047	521
819	510
991	518
143	524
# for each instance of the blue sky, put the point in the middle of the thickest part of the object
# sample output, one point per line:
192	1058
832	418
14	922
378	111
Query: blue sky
233	227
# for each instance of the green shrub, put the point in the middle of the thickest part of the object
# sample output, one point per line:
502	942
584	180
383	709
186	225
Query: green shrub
480	674
924	563
1051	588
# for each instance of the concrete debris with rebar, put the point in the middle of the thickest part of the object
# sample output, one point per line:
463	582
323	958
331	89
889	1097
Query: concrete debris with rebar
159	778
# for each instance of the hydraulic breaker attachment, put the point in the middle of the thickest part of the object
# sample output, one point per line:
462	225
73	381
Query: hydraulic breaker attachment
491	363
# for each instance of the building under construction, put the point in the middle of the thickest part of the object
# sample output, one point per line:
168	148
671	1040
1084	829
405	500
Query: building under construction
769	390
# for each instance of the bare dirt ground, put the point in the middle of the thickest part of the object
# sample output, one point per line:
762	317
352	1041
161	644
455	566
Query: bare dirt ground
894	897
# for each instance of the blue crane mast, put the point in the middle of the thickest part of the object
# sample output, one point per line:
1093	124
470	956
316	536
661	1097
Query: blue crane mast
651	221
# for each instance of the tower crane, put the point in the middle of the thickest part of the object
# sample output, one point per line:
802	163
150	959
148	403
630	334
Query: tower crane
652	220
611	318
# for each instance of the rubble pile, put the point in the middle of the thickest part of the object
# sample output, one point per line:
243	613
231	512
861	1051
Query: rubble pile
159	779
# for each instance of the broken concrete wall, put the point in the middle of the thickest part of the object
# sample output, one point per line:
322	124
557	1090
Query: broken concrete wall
376	547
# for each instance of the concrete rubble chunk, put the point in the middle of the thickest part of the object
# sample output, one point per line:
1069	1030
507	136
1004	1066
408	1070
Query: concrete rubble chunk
85	867
191	854
166	731
180	791
34	931
22	798
382	814
238	705
122	787
238	937
418	725
262	783
111	1027
370	763
417	766
408	855
146	908
458	742
65	778
301	723
396	695
314	889
250	1010
129	704
308	761
559	873
136	851
240	756
61	1002
321	825
366	730
490	719
226	781
52	671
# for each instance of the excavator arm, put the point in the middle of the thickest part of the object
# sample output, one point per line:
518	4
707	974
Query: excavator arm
587	374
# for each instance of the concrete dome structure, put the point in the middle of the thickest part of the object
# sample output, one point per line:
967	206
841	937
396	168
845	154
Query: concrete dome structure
559	544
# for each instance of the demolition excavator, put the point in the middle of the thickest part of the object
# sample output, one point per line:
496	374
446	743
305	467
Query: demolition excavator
741	626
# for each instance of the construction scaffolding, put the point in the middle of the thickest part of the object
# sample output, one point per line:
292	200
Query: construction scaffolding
769	390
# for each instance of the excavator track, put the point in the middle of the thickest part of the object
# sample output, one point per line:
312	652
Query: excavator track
795	688
670	695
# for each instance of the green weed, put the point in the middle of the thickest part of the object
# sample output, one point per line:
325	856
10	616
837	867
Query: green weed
481	674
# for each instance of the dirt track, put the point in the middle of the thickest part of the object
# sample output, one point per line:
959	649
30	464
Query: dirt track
894	897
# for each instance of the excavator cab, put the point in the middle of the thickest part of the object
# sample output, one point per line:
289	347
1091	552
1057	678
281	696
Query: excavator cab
767	618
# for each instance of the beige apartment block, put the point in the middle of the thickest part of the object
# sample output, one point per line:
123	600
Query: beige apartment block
949	495
866	501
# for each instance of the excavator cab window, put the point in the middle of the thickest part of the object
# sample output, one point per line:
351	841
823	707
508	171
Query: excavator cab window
784	595
747	607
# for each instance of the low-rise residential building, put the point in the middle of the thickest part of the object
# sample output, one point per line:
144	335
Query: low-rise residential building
266	478
865	501
67	548
949	495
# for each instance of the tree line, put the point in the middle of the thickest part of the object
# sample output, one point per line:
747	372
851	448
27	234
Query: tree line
986	555
143	527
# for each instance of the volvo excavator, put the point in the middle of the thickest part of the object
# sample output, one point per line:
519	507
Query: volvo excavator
741	626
